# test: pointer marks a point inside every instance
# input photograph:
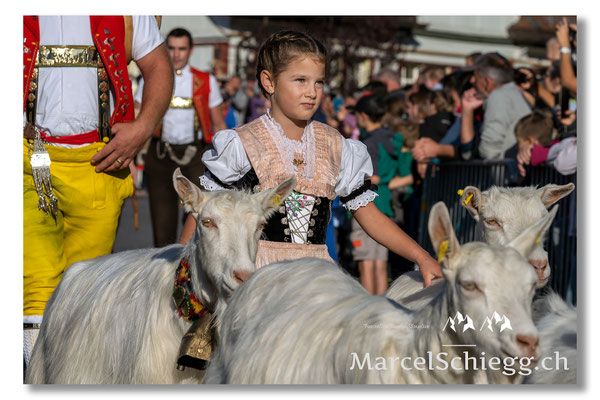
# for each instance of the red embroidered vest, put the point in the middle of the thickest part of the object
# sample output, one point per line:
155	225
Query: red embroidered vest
110	36
201	91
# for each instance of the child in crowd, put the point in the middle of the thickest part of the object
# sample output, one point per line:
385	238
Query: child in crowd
371	256
286	142
535	133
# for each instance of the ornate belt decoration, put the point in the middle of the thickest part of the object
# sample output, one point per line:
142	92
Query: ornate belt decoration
196	345
181	102
68	56
61	56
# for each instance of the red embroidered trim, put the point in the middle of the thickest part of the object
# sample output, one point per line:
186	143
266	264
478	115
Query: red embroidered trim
193	309
84	138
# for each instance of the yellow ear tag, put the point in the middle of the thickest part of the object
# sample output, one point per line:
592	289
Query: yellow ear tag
537	240
443	250
276	199
460	193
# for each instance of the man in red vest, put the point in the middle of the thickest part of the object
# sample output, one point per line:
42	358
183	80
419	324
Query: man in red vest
185	133
80	135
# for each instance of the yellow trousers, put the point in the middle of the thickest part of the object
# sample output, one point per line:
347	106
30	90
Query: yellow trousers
89	206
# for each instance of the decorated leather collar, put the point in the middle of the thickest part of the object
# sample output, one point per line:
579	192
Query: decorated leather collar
197	344
188	305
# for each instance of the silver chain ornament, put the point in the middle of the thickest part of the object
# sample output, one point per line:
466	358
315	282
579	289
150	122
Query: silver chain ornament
40	167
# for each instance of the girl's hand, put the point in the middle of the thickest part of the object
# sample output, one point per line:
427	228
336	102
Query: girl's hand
429	269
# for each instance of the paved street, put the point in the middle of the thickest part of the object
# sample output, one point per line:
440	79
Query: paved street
127	236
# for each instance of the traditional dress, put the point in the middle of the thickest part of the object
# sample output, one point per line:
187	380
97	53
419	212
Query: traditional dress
75	87
258	156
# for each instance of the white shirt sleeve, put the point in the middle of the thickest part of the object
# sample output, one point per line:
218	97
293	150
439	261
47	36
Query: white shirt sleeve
563	156
140	91
214	97
227	160
146	35
356	167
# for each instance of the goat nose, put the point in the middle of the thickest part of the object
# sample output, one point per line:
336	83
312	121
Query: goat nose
540	266
528	343
241	276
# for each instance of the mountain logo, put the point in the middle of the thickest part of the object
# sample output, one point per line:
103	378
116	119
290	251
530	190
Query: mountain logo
458	319
494	321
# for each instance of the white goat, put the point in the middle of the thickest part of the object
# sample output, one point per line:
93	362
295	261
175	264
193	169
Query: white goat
113	320
558	341
501	215
306	321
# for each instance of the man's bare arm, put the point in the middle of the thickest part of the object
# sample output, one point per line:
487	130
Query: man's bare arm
129	137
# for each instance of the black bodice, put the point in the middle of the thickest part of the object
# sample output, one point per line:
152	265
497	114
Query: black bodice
277	228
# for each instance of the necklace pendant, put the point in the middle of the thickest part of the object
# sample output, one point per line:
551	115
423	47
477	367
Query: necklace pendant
298	162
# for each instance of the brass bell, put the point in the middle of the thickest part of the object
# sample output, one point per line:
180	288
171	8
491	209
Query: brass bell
196	346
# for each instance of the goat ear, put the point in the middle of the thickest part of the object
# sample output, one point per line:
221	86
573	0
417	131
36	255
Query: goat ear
442	233
526	242
472	199
272	199
550	194
190	194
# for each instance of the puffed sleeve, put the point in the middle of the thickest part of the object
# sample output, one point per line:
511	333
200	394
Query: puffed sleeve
226	161
353	186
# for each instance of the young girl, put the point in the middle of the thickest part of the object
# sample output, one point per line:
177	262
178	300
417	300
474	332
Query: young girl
285	142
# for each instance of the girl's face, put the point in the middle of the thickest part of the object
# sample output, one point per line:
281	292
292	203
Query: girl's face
298	89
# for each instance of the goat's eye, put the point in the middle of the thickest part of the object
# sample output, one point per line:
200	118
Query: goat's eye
260	227
492	223
469	286
208	223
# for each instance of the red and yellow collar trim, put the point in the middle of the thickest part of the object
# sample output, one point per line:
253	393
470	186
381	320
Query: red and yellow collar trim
188	305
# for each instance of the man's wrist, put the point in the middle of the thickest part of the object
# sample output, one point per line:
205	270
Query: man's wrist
565	50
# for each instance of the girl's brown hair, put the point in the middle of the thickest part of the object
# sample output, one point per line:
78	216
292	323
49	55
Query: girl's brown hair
278	51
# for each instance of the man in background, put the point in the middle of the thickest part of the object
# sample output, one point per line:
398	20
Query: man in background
185	132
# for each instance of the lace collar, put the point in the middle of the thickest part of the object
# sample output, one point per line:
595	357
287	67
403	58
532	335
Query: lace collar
287	148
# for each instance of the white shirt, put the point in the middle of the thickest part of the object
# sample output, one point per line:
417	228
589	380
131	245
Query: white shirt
68	97
178	123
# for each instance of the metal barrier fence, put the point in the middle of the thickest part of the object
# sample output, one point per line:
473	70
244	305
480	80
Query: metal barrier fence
443	180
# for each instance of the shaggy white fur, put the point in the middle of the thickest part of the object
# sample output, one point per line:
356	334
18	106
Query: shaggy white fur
558	338
307	321
501	215
112	319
